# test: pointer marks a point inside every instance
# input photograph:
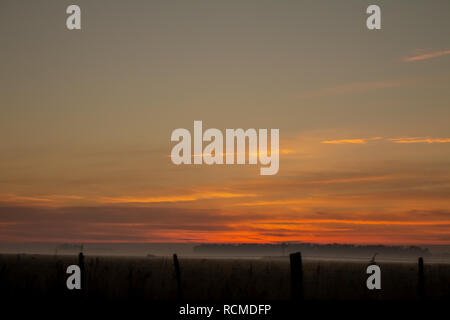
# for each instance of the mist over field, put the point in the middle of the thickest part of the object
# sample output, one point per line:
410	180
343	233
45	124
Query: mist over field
346	252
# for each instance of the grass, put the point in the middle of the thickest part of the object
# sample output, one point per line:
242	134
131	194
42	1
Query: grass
153	279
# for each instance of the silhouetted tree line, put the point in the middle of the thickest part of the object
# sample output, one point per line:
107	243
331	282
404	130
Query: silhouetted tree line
310	249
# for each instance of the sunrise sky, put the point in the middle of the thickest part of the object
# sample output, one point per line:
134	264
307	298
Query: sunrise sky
86	118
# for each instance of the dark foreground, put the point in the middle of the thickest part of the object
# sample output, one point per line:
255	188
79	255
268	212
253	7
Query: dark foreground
121	287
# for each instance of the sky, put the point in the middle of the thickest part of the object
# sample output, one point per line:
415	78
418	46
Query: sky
86	118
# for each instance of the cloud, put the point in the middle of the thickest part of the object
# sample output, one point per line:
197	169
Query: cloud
352	141
176	198
169	196
48	200
346	141
419	140
360	222
124	224
393	140
312	202
358	87
427	56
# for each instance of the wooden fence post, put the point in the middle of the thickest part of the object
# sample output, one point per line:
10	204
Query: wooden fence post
296	276
82	270
177	276
421	280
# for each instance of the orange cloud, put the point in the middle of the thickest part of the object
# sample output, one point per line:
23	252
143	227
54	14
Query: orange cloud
394	140
314	201
48	200
170	196
352	141
346	141
16	198
427	56
419	140
363	222
176	198
137	224
224	154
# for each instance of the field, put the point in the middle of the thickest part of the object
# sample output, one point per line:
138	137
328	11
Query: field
212	280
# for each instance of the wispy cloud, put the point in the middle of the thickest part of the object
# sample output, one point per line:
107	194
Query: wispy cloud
177	198
360	222
124	224
169	197
419	140
358	87
48	200
346	141
426	56
393	140
352	141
